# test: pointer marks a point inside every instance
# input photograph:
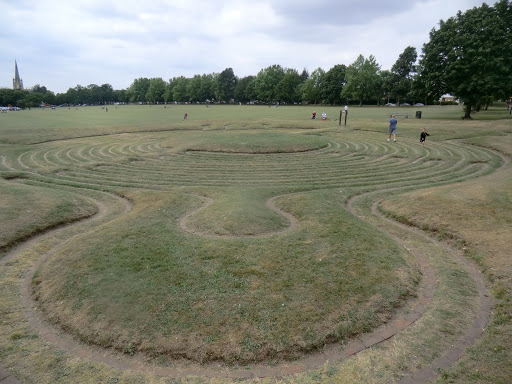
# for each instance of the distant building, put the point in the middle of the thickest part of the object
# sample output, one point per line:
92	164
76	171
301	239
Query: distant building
448	98
17	83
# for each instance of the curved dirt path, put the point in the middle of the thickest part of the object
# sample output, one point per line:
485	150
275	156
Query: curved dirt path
270	203
138	363
315	360
473	333
331	353
35	319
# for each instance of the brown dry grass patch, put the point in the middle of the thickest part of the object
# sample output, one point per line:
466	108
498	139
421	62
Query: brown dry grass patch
476	216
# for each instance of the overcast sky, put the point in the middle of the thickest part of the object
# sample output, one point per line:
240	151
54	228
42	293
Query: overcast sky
62	43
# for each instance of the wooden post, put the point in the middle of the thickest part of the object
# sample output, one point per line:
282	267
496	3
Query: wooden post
341	113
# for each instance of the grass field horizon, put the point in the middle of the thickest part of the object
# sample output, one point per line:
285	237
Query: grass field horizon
243	235
40	125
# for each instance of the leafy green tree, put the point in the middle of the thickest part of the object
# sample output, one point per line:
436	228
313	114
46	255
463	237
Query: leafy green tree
77	95
420	89
107	93
179	89
32	99
22	103
49	98
312	88
287	89
94	94
362	79
139	89
225	85
404	65
168	94
304	75
39	89
333	83
403	71
35	99
470	56
70	96
207	87
156	90
39	94
120	96
386	84
18	95
194	88
244	90
266	82
60	98
13	97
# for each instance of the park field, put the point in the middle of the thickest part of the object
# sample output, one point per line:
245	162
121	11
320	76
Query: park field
254	243
39	125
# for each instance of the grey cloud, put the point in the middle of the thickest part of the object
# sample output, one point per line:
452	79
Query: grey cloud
321	13
116	41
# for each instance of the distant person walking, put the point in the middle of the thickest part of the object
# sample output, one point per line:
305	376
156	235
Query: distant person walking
185	117
392	128
423	137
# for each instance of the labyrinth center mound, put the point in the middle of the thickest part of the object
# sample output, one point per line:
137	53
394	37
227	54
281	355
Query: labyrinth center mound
239	286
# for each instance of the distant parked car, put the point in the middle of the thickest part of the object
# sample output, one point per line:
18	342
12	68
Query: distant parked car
390	105
419	105
405	104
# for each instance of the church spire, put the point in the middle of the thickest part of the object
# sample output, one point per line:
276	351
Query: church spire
17	83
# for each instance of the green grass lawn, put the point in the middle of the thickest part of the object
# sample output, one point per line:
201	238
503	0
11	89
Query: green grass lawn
27	210
239	247
38	125
477	215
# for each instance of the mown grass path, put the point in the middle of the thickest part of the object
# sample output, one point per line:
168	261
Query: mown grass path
362	168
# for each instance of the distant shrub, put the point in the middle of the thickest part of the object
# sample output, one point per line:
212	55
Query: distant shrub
449	103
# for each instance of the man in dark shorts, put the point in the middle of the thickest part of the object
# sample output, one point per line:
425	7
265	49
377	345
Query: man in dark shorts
392	128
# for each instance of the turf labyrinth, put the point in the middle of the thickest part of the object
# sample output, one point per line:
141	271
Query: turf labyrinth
120	163
359	168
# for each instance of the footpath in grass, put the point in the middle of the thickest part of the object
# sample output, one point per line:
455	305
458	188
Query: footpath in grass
237	286
476	217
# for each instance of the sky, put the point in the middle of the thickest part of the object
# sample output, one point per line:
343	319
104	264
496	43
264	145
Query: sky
61	43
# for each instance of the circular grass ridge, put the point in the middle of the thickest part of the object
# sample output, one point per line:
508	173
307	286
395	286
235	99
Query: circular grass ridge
249	290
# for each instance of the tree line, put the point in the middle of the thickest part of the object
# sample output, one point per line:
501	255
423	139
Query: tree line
468	56
362	81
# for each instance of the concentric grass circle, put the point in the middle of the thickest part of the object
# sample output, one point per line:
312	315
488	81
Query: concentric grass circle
237	286
256	142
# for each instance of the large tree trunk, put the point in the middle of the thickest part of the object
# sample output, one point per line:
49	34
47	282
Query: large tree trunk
467	111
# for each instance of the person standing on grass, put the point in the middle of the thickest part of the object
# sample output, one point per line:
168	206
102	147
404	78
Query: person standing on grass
392	128
423	137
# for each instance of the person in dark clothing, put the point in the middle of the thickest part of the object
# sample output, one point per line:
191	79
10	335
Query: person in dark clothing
423	137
